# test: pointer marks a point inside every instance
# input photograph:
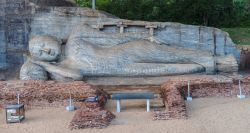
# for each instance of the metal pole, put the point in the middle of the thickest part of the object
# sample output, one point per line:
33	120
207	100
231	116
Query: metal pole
148	105
93	4
240	96
70	100
240	87
189	98
18	98
118	105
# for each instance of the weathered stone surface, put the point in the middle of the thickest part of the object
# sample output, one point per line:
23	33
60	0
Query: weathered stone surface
14	32
90	52
227	64
2	36
31	71
136	58
59	21
14	58
3	64
203	38
15	28
21	20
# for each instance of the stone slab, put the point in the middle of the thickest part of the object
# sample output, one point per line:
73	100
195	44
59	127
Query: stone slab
133	81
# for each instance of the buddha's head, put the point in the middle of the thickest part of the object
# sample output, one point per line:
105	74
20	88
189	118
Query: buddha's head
45	48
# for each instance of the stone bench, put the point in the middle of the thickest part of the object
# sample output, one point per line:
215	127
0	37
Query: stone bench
120	96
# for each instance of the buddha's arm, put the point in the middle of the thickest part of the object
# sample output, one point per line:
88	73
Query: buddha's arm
60	70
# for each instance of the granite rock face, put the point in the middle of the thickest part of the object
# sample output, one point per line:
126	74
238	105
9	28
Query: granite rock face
15	28
92	52
59	21
21	20
208	39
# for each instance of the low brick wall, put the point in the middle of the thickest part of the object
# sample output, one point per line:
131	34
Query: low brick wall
91	118
175	90
56	94
245	57
46	93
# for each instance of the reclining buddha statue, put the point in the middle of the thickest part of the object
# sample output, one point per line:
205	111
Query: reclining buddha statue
93	52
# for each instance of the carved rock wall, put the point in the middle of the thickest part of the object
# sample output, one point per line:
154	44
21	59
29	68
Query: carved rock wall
2	36
15	25
15	28
20	20
199	37
59	23
14	32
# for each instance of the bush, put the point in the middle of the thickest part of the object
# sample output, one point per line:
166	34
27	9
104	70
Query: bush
216	13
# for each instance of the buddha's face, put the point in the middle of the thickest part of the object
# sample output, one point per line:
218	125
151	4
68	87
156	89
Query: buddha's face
45	48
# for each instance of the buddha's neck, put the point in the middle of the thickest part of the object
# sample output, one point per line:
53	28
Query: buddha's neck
62	56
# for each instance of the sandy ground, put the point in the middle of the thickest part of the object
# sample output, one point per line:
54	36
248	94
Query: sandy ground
208	115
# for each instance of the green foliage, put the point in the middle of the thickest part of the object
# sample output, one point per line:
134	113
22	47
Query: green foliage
87	3
217	13
83	3
240	36
242	13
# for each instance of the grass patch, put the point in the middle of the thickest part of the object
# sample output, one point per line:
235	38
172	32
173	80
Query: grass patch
240	36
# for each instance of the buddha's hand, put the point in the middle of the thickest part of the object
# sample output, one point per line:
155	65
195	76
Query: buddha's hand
57	69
